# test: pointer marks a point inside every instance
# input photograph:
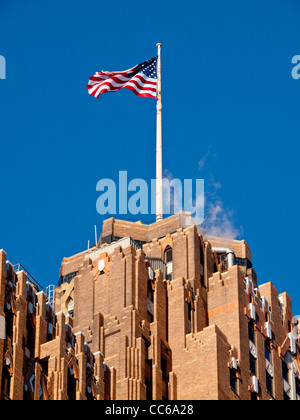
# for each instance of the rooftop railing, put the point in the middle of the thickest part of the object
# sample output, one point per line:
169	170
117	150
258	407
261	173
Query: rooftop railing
30	278
109	249
158	264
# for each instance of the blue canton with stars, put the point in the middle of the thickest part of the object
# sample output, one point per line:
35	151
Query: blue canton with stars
148	68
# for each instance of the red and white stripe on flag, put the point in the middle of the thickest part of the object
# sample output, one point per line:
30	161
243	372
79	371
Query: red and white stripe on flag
141	79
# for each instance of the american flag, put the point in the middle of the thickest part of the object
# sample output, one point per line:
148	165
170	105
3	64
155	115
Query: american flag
141	79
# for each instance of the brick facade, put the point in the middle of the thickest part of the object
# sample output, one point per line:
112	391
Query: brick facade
153	312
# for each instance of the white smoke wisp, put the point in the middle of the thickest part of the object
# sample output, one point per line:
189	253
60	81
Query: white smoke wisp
183	197
218	221
205	157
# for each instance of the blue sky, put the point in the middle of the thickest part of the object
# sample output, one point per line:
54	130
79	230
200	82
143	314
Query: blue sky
230	115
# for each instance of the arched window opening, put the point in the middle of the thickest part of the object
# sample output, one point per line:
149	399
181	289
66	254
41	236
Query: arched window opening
168	257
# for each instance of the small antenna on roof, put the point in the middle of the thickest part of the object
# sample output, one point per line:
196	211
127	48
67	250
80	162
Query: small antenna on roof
96	236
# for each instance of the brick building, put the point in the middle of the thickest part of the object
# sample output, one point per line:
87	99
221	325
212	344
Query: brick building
158	311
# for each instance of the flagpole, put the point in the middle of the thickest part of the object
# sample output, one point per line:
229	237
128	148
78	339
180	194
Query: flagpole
159	186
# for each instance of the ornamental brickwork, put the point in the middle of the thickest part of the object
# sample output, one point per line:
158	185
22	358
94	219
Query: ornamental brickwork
160	311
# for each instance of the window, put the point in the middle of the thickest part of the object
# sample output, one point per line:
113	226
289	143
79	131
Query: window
251	331
5	385
30	335
252	364
189	305
285	376
202	265
28	392
269	383
150	292
9	318
285	371
268	353
150	300
168	255
169	263
89	390
233	380
148	370
254	396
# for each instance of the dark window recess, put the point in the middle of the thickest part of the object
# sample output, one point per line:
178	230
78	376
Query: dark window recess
150	317
44	364
201	254
150	291
148	385
243	262
147	347
71	390
107	239
28	393
106	384
9	324
233	380
29	379
285	371
268	353
251	332
148	379
215	267
150	300
51	321
89	389
168	260
189	327
5	384
67	279
148	370
30	336
165	377
164	366
89	395
254	397
252	364
168	255
269	383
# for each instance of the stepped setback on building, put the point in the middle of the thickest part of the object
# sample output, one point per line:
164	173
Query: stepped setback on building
154	312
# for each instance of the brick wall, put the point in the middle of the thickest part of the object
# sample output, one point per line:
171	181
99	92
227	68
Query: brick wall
123	329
